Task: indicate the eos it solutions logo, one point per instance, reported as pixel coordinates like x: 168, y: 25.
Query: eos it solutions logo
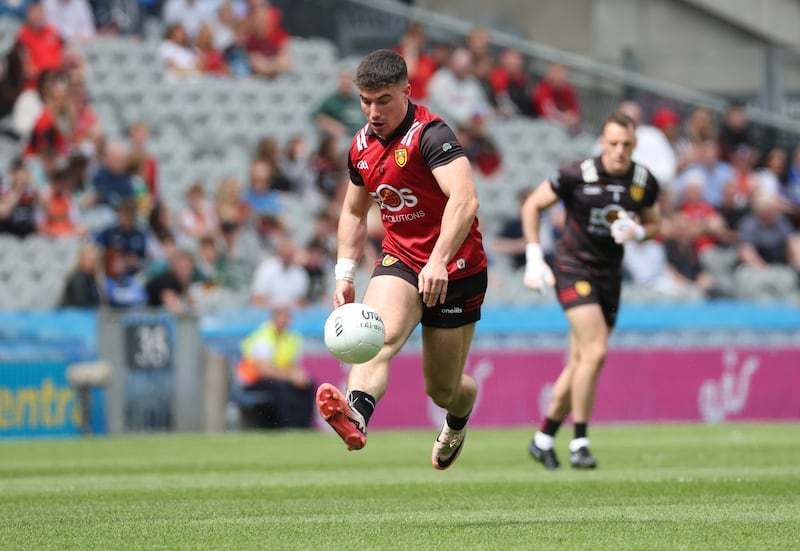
x: 393, y: 199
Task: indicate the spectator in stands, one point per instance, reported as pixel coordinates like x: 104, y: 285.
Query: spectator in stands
x: 14, y: 76
x: 669, y: 123
x: 771, y: 177
x: 14, y: 8
x: 511, y: 85
x: 682, y: 255
x: 280, y: 279
x: 295, y: 165
x: 210, y: 61
x: 85, y: 119
x: 229, y: 204
x: 207, y: 262
x: 170, y: 288
x: 160, y: 236
x: 58, y: 214
x: 122, y: 288
x: 479, y: 148
x: 456, y: 94
x: 768, y: 251
x: 330, y: 167
x: 734, y: 131
x: 653, y: 150
x: 197, y: 218
x: 509, y: 241
x: 266, y: 41
x: 701, y: 126
x: 72, y: 18
x: 273, y: 388
x: 701, y: 221
x: 791, y: 192
x: 83, y: 287
x: 18, y: 201
x: 318, y: 265
x: 229, y: 38
x: 53, y: 127
x: 646, y: 266
x: 126, y: 238
x: 555, y: 99
x: 478, y: 42
x: 42, y: 41
x: 112, y: 183
x: 340, y: 113
x: 139, y: 138
x: 421, y: 65
x: 716, y: 173
x: 732, y: 209
x: 178, y: 57
x: 744, y: 181
x: 261, y: 198
x: 190, y: 14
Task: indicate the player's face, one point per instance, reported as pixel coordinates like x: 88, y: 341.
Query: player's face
x: 618, y: 143
x: 385, y: 108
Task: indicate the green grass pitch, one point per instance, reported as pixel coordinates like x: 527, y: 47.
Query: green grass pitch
x: 726, y: 487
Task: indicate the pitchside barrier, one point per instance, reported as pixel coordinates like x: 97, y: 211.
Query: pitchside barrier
x: 710, y: 363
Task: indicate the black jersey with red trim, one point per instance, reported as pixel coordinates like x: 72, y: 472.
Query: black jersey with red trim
x: 397, y: 173
x: 592, y: 199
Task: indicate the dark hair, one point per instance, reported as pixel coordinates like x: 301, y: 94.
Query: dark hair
x: 380, y: 69
x: 620, y: 118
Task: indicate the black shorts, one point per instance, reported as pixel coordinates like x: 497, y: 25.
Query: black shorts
x: 462, y: 305
x: 578, y: 283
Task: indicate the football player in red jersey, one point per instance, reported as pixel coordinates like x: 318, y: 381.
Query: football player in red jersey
x: 602, y: 197
x: 432, y: 269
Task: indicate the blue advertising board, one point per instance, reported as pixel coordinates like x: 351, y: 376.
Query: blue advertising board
x: 36, y: 400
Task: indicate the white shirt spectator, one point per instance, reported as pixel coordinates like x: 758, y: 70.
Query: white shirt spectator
x: 27, y: 110
x: 455, y: 94
x: 72, y: 18
x: 654, y: 151
x: 278, y: 282
x: 176, y: 58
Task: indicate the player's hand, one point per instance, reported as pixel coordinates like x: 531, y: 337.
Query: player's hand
x: 344, y: 293
x: 433, y: 283
x: 624, y: 229
x: 537, y: 273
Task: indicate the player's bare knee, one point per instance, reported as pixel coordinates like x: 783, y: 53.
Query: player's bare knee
x: 442, y: 396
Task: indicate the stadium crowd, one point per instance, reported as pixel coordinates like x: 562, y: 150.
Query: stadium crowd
x: 731, y: 204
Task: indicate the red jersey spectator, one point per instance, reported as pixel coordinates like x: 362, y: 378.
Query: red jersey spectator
x: 703, y: 221
x: 59, y: 214
x: 266, y: 42
x: 511, y: 84
x: 421, y: 66
x: 209, y: 60
x: 554, y: 97
x: 48, y: 133
x: 42, y: 40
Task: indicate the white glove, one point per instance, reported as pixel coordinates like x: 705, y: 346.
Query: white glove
x: 623, y: 229
x: 537, y: 272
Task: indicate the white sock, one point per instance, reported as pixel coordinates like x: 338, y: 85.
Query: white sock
x: 543, y: 441
x: 577, y: 443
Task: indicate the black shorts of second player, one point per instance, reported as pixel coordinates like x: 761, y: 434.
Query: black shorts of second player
x: 578, y: 283
x: 464, y: 296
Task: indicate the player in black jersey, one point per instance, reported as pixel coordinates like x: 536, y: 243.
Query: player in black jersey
x: 609, y: 200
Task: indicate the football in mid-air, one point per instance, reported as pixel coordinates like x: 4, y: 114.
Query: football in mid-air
x: 354, y: 333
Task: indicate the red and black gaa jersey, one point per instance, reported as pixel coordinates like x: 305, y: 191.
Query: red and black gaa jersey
x: 397, y: 173
x: 592, y: 199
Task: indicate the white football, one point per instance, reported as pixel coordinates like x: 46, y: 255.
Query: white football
x: 354, y: 333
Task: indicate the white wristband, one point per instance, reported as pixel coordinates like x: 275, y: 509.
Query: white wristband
x: 345, y: 269
x: 638, y: 233
x: 533, y: 252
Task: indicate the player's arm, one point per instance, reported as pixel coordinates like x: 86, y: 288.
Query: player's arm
x: 650, y: 220
x: 537, y: 272
x: 455, y: 181
x: 352, y: 236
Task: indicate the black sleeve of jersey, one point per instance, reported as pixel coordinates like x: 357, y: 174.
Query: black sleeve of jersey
x: 439, y: 145
x: 565, y: 180
x: 355, y: 177
x: 651, y: 191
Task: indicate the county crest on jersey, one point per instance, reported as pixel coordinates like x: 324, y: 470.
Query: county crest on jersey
x: 397, y: 174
